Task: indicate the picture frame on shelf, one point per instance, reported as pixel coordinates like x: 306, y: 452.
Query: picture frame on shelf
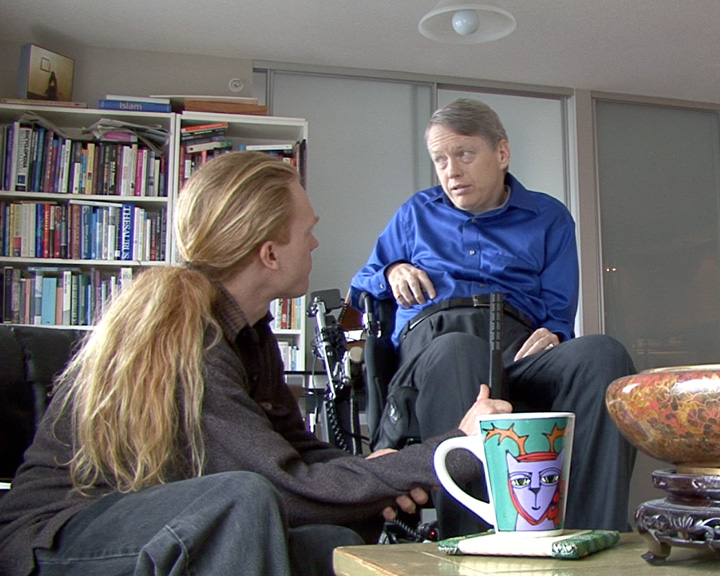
x: 44, y: 74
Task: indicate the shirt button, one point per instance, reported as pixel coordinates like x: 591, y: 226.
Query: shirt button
x: 472, y: 252
x: 473, y: 220
x: 267, y: 406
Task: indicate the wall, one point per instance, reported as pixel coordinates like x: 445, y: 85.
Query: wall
x: 100, y: 71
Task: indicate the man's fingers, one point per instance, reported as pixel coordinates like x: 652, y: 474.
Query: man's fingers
x: 406, y: 503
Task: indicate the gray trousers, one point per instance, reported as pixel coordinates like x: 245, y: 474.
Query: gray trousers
x: 223, y: 524
x: 446, y: 357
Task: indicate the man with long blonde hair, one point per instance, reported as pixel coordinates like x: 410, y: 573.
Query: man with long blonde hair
x: 173, y: 444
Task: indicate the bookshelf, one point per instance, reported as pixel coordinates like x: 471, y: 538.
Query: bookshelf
x: 273, y: 134
x: 84, y: 199
x: 87, y: 199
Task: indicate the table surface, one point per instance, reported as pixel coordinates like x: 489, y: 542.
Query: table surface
x: 623, y: 559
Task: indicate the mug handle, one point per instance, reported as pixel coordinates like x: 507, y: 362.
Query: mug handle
x: 484, y: 510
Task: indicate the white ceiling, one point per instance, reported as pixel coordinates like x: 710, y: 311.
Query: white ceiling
x: 665, y: 48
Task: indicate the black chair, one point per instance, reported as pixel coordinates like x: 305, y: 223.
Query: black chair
x: 30, y: 358
x: 380, y: 356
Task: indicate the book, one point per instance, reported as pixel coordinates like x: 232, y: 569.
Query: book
x: 179, y: 103
x: 53, y: 103
x: 147, y: 99
x: 22, y: 156
x: 66, y: 297
x: 212, y: 145
x: 225, y: 107
x: 571, y: 545
x: 181, y: 98
x: 269, y: 147
x: 187, y: 132
x: 49, y: 298
x: 127, y: 231
x: 130, y: 106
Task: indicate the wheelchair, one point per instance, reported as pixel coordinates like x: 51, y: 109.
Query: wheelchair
x: 346, y: 396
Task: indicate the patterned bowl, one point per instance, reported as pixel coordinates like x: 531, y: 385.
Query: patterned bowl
x: 672, y: 414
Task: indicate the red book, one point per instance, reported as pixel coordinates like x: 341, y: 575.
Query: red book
x: 48, y: 209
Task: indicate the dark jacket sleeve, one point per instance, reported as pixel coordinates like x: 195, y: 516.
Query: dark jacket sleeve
x: 264, y: 433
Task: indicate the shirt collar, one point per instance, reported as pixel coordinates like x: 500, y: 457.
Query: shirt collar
x: 228, y: 314
x: 519, y: 196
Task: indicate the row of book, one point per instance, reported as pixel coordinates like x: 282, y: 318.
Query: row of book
x: 135, y: 103
x: 59, y: 296
x: 287, y: 313
x: 200, y: 143
x: 164, y: 103
x: 290, y: 355
x: 82, y: 230
x: 34, y: 158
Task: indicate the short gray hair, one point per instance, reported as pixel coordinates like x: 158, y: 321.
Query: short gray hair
x: 470, y: 118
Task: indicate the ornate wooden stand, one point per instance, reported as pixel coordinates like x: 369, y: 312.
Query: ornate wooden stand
x: 689, y: 517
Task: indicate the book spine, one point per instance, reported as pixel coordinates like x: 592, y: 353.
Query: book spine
x: 22, y: 158
x: 67, y: 297
x: 147, y: 99
x: 130, y: 106
x: 49, y: 296
x: 90, y: 176
x: 126, y: 242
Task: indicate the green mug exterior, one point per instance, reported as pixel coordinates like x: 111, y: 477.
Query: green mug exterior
x: 526, y: 457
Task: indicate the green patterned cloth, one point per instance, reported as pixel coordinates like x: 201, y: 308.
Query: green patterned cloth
x: 570, y: 546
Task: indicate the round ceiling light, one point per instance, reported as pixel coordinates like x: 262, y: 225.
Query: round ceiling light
x: 464, y: 23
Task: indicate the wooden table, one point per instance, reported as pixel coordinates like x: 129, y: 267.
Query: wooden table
x: 623, y: 559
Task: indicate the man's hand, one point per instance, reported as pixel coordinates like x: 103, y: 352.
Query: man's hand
x: 409, y: 284
x: 541, y: 339
x: 406, y: 502
x: 483, y: 405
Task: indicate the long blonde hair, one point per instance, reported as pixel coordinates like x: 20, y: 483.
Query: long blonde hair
x: 135, y: 388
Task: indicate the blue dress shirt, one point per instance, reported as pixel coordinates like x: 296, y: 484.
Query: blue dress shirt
x: 524, y: 249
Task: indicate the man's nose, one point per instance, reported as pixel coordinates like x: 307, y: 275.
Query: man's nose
x: 454, y: 168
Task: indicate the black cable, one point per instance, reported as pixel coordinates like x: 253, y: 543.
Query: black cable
x: 333, y: 423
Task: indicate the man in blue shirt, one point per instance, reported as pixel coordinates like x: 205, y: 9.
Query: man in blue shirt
x: 443, y: 253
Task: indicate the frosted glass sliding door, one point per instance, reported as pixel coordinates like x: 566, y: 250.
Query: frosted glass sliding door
x: 658, y: 172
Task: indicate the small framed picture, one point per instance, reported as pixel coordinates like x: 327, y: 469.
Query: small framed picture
x: 45, y: 75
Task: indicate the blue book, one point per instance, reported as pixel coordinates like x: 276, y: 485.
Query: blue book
x: 130, y: 106
x: 49, y: 296
x: 39, y: 229
x: 126, y: 232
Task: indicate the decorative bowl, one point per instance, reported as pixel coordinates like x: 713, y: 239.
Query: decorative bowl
x: 672, y: 414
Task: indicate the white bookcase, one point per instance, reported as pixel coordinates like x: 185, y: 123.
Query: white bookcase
x: 266, y: 132
x: 30, y: 255
x: 62, y: 207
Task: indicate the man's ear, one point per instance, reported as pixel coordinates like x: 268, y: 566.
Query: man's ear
x: 267, y: 255
x: 504, y: 153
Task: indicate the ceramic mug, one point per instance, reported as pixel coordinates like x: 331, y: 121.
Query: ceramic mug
x: 526, y: 458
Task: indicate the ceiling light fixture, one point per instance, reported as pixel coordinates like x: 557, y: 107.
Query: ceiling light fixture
x: 466, y: 23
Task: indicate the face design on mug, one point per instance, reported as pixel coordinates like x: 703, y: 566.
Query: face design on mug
x: 534, y: 482
x: 534, y: 479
